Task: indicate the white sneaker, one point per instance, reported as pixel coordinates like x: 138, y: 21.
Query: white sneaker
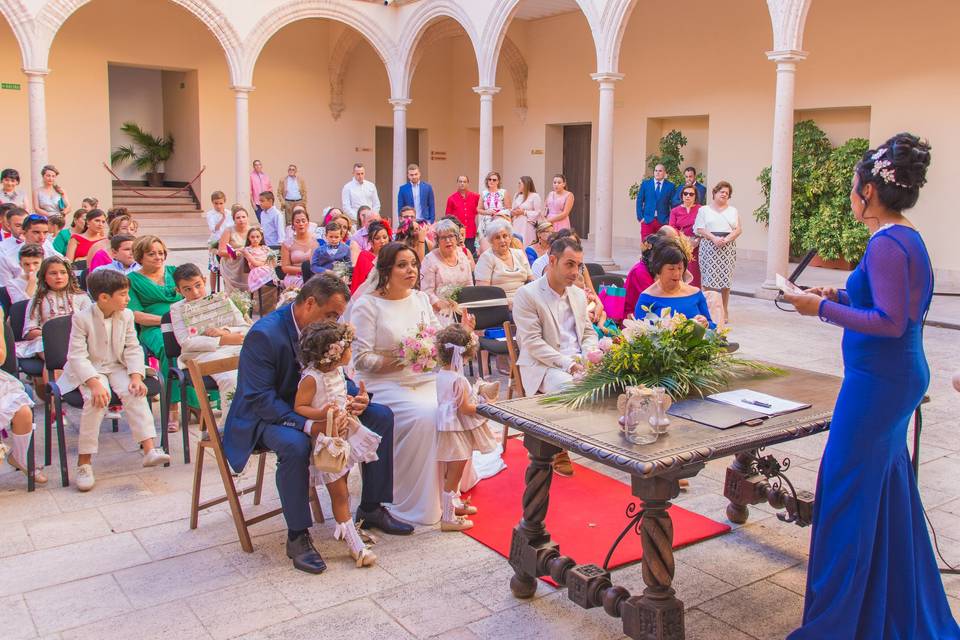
x: 155, y: 457
x: 85, y: 479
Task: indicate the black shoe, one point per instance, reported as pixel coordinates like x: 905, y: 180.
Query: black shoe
x: 381, y: 519
x: 304, y: 555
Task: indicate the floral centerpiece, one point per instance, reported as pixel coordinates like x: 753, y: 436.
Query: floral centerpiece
x: 343, y: 270
x: 418, y: 351
x: 243, y: 302
x: 673, y: 352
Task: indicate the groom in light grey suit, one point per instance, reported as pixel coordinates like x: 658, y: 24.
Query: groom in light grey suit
x: 554, y: 331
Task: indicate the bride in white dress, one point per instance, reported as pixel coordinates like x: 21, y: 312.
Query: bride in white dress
x: 383, y: 318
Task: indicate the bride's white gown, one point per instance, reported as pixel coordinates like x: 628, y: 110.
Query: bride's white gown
x: 381, y: 325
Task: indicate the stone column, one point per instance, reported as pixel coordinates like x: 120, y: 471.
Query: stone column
x: 781, y: 176
x: 37, y: 103
x: 243, y: 168
x: 486, y: 131
x: 602, y: 222
x: 399, y: 153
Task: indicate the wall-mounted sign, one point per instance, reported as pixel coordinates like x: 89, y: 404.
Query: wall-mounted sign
x: 438, y: 155
x: 536, y: 152
x: 363, y: 149
x: 12, y: 86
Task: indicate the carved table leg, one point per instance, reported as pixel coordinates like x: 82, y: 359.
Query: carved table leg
x: 657, y: 614
x: 531, y: 548
x: 739, y: 489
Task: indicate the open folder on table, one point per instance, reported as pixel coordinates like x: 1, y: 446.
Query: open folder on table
x: 734, y: 408
x: 759, y: 402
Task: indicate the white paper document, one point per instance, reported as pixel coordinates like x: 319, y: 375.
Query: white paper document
x: 759, y: 402
x: 786, y: 286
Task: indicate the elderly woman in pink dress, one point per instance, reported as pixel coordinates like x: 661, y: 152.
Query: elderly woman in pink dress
x: 445, y: 269
x: 559, y: 203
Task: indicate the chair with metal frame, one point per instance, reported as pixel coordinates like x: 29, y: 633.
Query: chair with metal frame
x: 594, y: 269
x: 56, y: 342
x: 487, y: 317
x: 5, y: 302
x: 33, y: 366
x: 212, y: 440
x: 176, y: 375
x: 10, y: 366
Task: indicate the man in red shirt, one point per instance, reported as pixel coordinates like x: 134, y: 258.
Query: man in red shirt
x: 463, y: 204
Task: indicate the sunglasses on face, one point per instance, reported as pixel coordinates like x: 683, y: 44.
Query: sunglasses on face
x: 687, y: 193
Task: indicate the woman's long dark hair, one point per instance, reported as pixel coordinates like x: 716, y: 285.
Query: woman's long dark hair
x: 387, y: 259
x: 43, y: 289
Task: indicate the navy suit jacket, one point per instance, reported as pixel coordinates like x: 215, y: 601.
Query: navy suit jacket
x: 427, y: 205
x: 649, y: 206
x: 267, y: 381
x: 677, y: 199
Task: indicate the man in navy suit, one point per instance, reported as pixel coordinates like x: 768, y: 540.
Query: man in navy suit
x: 261, y: 416
x: 417, y: 194
x: 690, y: 180
x: 653, y: 202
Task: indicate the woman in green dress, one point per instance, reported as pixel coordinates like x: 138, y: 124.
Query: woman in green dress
x: 152, y: 291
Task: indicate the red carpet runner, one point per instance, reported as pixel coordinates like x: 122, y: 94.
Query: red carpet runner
x: 586, y: 514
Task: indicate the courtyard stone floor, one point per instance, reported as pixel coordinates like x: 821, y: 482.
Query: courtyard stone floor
x: 121, y: 561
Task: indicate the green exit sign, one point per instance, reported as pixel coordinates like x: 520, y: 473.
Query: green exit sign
x: 12, y: 86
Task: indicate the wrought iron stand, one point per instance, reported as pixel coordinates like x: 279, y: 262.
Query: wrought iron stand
x: 753, y: 478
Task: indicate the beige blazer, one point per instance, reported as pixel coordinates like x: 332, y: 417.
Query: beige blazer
x: 538, y: 331
x: 90, y: 354
x: 282, y: 191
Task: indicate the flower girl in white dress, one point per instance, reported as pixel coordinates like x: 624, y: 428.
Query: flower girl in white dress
x: 460, y: 431
x: 15, y: 410
x: 324, y: 350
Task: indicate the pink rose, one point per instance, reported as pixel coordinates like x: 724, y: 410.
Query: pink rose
x: 595, y: 356
x: 605, y: 344
x: 192, y: 331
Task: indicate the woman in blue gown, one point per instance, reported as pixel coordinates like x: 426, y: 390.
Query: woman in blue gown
x: 872, y: 573
x: 668, y: 264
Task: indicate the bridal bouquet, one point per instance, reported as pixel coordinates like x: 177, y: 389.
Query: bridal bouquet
x: 418, y: 351
x: 343, y: 270
x: 673, y: 352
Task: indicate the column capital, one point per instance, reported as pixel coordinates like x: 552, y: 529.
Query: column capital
x: 486, y: 91
x: 36, y: 73
x: 606, y: 76
x: 239, y: 88
x: 786, y: 55
x: 400, y: 104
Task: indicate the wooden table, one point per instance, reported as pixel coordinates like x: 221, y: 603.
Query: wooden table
x: 656, y: 470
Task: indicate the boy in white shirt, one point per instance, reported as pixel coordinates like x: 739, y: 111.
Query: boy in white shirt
x: 213, y: 343
x: 271, y: 220
x: 105, y: 355
x: 24, y: 286
x: 218, y: 221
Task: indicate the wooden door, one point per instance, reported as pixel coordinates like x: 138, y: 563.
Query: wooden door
x: 576, y: 167
x: 384, y: 165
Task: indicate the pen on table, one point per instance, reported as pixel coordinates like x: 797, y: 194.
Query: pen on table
x: 757, y: 403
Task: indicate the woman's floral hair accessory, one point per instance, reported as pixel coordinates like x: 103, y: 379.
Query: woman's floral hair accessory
x: 881, y: 167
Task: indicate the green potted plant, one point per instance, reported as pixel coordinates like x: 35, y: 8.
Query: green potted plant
x: 820, y: 215
x: 147, y: 152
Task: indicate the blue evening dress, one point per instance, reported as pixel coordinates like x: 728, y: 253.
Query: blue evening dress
x: 691, y: 306
x: 872, y: 573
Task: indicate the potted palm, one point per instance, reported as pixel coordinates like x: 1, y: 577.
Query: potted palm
x: 147, y: 152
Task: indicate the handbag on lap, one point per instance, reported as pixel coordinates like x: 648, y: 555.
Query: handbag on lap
x: 331, y: 453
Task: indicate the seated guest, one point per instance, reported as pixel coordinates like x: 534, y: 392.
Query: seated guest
x: 462, y: 229
x: 334, y: 214
x: 331, y: 250
x: 77, y: 225
x: 639, y: 278
x: 262, y: 416
x: 13, y: 230
x: 554, y: 332
x: 541, y: 246
x: 57, y: 223
x: 99, y: 362
x: 501, y: 265
x: 445, y: 268
x: 297, y: 249
x: 33, y: 230
x: 366, y: 217
x: 413, y: 233
x: 262, y: 272
x: 379, y: 238
x: 271, y: 219
x: 219, y: 338
x: 121, y: 252
x: 152, y: 292
x: 232, y: 241
x: 669, y: 293
x: 100, y: 251
x: 58, y: 294
x: 80, y: 244
x: 24, y: 285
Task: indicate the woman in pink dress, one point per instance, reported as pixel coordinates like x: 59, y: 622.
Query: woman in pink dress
x: 445, y: 269
x: 297, y: 250
x: 682, y: 218
x: 559, y: 203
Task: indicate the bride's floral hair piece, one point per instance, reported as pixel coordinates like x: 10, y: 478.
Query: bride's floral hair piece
x: 323, y: 344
